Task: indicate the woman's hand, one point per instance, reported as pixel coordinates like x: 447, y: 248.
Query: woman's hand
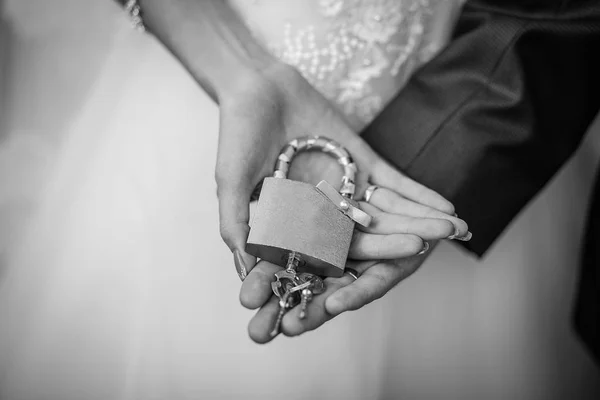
x: 264, y: 104
x: 260, y: 119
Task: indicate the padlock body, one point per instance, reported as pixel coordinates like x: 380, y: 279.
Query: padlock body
x: 294, y: 216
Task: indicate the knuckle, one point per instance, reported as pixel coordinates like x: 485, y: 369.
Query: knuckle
x: 429, y: 212
x: 381, y: 282
x: 227, y: 235
x: 220, y: 177
x: 220, y: 191
x: 224, y: 232
x: 371, y: 293
x: 379, y: 167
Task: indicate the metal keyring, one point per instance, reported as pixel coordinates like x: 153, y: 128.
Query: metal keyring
x: 352, y: 272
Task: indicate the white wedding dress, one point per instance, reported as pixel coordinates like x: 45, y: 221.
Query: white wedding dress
x: 114, y: 283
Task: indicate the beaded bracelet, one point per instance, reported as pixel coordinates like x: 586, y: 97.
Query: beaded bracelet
x: 133, y: 9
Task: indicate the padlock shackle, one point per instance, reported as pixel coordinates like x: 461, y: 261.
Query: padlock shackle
x: 325, y: 145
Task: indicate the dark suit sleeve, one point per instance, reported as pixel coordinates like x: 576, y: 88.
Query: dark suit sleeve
x: 493, y: 117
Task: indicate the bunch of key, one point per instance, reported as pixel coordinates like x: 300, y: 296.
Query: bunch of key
x: 294, y: 288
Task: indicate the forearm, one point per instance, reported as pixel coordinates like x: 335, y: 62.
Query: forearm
x: 210, y: 40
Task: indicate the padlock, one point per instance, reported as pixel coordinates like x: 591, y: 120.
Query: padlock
x: 314, y: 224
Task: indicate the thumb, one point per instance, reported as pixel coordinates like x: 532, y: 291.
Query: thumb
x: 234, y: 215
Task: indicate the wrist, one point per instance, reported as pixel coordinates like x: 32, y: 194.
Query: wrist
x: 248, y: 75
x: 211, y: 42
x: 273, y: 80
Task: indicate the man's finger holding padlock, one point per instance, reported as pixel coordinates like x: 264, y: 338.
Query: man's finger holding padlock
x: 311, y: 227
x: 373, y: 284
x: 261, y: 324
x: 375, y: 279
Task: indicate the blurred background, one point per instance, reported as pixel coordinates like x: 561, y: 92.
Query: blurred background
x: 53, y: 54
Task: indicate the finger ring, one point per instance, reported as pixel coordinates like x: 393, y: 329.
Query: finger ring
x: 352, y: 272
x: 425, y: 248
x: 369, y: 192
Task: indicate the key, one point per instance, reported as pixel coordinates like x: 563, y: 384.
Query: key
x: 316, y: 286
x: 287, y: 302
x: 307, y: 296
x: 284, y: 281
x: 282, y: 310
x: 288, y: 278
x: 290, y: 299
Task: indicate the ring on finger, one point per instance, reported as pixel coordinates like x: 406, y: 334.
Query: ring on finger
x: 425, y: 248
x: 352, y: 272
x: 369, y: 192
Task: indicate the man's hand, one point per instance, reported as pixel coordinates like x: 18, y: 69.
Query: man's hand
x: 384, y: 254
x: 342, y: 294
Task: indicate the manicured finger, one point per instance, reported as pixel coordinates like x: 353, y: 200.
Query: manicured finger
x: 245, y: 155
x: 391, y: 202
x: 367, y: 246
x: 256, y: 288
x: 233, y: 223
x: 387, y: 176
x: 426, y: 228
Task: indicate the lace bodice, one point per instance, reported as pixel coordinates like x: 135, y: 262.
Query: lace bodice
x: 358, y: 53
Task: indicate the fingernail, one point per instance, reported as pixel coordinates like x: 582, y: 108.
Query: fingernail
x: 465, y: 238
x: 455, y: 234
x: 425, y: 249
x: 240, y: 265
